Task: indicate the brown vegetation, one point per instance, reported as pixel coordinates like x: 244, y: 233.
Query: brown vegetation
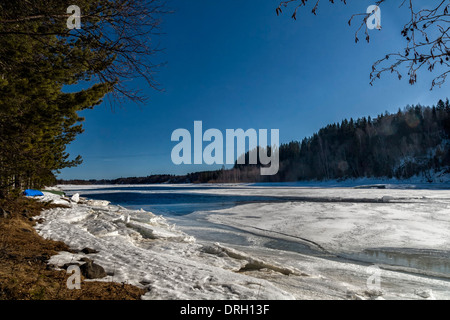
x: 24, y: 272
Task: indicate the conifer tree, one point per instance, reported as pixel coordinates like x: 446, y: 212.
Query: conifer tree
x: 40, y: 59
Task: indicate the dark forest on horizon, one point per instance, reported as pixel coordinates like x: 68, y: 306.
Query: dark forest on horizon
x: 400, y: 145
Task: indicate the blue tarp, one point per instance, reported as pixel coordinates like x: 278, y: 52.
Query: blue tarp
x: 32, y: 193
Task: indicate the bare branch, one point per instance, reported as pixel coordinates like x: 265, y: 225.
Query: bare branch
x: 427, y: 35
x: 122, y: 32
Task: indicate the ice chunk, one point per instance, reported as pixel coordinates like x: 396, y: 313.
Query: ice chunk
x: 424, y: 293
x: 75, y: 198
x: 252, y: 263
x: 155, y: 231
x: 98, y: 203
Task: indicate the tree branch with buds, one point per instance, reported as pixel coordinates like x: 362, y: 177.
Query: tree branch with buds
x: 426, y: 34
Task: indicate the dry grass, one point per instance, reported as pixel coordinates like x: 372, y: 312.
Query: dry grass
x: 24, y: 273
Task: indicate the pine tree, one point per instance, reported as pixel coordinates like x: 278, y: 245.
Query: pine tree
x: 40, y: 58
x: 37, y: 119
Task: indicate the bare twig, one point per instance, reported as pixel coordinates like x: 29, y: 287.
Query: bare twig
x: 427, y: 40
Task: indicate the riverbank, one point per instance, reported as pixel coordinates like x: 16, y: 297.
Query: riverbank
x: 24, y: 271
x: 142, y: 249
x: 145, y: 250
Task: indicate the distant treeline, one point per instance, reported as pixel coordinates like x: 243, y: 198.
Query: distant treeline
x: 412, y: 141
x: 196, y: 177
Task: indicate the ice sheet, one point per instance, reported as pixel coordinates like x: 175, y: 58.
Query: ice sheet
x: 147, y: 251
x: 347, y: 226
x: 144, y: 249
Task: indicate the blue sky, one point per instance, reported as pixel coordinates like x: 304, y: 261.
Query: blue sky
x: 236, y: 64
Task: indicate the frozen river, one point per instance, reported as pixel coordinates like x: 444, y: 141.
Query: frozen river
x: 330, y: 233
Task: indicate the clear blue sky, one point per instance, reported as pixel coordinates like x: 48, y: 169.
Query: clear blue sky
x: 236, y: 64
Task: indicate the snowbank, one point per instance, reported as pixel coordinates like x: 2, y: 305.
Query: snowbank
x: 142, y: 249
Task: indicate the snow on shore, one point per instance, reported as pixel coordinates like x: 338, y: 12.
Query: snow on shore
x: 142, y: 249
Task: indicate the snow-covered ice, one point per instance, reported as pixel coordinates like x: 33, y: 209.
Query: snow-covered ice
x: 146, y: 250
x: 342, y: 226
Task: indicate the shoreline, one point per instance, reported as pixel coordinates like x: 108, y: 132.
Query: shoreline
x: 437, y: 180
x: 24, y: 271
x: 161, y: 239
x: 116, y: 233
